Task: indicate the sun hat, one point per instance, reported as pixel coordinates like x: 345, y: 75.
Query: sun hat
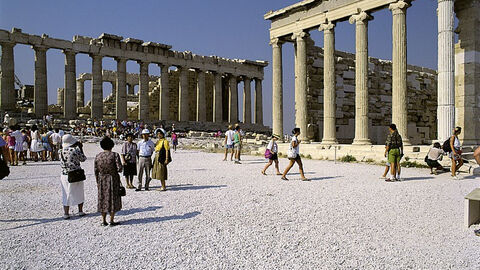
x: 160, y: 130
x: 276, y: 136
x: 68, y: 140
x: 145, y: 131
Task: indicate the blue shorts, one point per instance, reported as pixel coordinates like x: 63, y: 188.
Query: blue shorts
x: 229, y: 146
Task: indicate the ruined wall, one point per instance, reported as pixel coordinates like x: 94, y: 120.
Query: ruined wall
x: 422, y: 98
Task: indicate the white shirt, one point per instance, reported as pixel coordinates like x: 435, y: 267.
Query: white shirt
x: 294, y: 139
x: 272, y: 146
x: 56, y: 138
x: 435, y: 153
x: 230, y: 134
x: 145, y: 148
x: 61, y: 133
x: 18, y: 136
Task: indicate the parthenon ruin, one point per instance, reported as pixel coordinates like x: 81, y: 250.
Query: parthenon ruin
x: 458, y: 76
x: 225, y: 75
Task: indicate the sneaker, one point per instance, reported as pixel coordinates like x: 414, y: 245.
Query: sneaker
x: 138, y: 189
x: 66, y: 216
x: 237, y: 162
x: 454, y: 177
x: 147, y: 189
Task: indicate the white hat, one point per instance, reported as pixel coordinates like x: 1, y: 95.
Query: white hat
x: 145, y: 131
x: 68, y: 140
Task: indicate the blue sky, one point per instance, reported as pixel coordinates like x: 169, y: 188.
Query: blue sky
x: 233, y: 29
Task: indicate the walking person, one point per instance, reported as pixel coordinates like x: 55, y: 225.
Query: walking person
x: 162, y: 159
x: 294, y: 155
x: 229, y: 142
x: 71, y: 155
x: 434, y: 155
x: 394, y: 152
x: 456, y: 153
x: 129, y: 160
x: 107, y: 168
x: 145, y: 150
x: 174, y: 141
x: 272, y: 154
x: 237, y: 144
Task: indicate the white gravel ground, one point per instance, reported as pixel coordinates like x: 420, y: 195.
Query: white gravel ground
x: 218, y: 215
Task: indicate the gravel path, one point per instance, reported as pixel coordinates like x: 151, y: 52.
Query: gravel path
x: 218, y: 215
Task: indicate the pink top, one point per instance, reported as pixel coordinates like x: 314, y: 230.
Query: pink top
x: 10, y: 140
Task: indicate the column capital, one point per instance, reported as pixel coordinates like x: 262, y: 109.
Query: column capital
x: 300, y: 35
x: 399, y: 7
x: 69, y: 52
x: 361, y: 18
x: 328, y: 27
x: 40, y: 48
x: 121, y: 59
x: 140, y: 62
x: 7, y: 43
x: 276, y: 42
x: 246, y: 78
x: 95, y: 56
x: 163, y: 65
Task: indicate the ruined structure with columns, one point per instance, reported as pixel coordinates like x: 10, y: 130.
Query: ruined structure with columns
x: 225, y: 107
x: 458, y: 67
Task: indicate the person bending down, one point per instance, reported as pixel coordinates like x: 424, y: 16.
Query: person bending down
x: 434, y: 155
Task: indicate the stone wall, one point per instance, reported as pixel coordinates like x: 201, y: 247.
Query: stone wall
x: 422, y: 98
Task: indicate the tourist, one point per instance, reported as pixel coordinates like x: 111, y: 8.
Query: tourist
x: 229, y: 142
x: 19, y: 139
x: 71, y: 155
x: 394, y: 152
x: 56, y: 140
x: 456, y: 153
x: 387, y: 169
x: 47, y: 147
x: 36, y: 147
x: 3, y: 148
x: 25, y: 146
x: 434, y: 155
x: 272, y: 154
x: 145, y: 150
x: 129, y: 160
x: 476, y: 155
x: 162, y: 158
x: 174, y: 141
x: 11, y: 148
x: 294, y: 155
x: 237, y: 144
x: 107, y: 166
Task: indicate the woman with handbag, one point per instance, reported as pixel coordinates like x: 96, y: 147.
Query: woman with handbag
x: 162, y: 159
x: 271, y: 153
x: 72, y: 176
x: 129, y: 159
x: 36, y: 147
x: 293, y: 155
x: 110, y: 189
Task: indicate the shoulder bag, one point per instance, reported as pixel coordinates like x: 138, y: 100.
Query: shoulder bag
x: 291, y: 152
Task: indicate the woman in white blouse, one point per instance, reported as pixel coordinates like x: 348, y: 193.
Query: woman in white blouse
x: 456, y: 153
x: 272, y: 154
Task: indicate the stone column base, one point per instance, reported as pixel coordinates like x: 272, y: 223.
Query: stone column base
x: 362, y: 142
x: 329, y: 142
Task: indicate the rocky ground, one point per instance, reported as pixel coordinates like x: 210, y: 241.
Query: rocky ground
x: 218, y: 215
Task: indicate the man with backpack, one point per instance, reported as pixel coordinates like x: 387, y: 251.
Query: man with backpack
x: 394, y: 152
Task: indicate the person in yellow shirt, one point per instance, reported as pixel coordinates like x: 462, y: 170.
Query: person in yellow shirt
x: 162, y: 159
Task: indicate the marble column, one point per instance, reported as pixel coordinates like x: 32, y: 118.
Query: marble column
x: 258, y: 116
x: 361, y: 77
x: 143, y: 92
x: 183, y: 108
x: 247, y: 100
x: 301, y: 110
x: 69, y: 103
x: 277, y: 87
x: 217, y: 98
x: 80, y: 93
x: 201, y: 114
x: 130, y: 89
x: 40, y: 94
x: 399, y: 69
x: 329, y: 108
x: 97, y: 87
x: 446, y: 69
x: 7, y: 77
x: 164, y: 111
x: 121, y: 93
x: 233, y: 99
x: 61, y: 97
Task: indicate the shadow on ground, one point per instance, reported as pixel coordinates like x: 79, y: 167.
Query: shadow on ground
x: 188, y: 187
x: 161, y: 219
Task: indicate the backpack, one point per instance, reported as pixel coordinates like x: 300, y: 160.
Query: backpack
x: 446, y: 146
x: 396, y: 141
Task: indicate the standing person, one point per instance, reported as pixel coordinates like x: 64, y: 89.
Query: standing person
x: 272, y: 154
x: 456, y: 154
x: 18, y: 150
x: 434, y: 155
x: 46, y: 145
x: 24, y: 146
x: 295, y: 149
x: 145, y: 150
x: 229, y: 142
x: 36, y: 146
x: 107, y: 166
x: 174, y: 141
x: 71, y: 155
x: 237, y: 144
x: 161, y: 160
x: 56, y: 140
x: 394, y: 152
x: 129, y: 159
x: 11, y: 148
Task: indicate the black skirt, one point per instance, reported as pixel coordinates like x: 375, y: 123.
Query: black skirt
x: 274, y: 157
x: 130, y: 169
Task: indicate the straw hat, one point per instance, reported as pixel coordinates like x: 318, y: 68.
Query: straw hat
x: 145, y: 131
x: 68, y: 140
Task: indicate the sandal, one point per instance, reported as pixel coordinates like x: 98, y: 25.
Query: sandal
x: 104, y: 224
x: 305, y: 179
x: 114, y: 224
x: 263, y: 172
x: 284, y: 179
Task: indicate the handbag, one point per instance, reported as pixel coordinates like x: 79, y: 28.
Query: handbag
x: 268, y: 154
x: 162, y: 155
x: 291, y: 153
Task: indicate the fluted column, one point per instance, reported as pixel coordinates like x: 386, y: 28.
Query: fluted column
x: 301, y: 110
x: 183, y: 108
x: 61, y: 97
x: 277, y: 87
x: 217, y: 98
x: 40, y: 94
x: 97, y: 87
x: 399, y: 68
x: 121, y: 93
x: 69, y: 101
x: 446, y: 69
x: 361, y: 77
x: 163, y: 109
x: 7, y: 77
x: 143, y: 92
x: 201, y: 114
x: 80, y: 93
x: 329, y: 109
x: 233, y: 99
x: 247, y: 100
x: 258, y: 116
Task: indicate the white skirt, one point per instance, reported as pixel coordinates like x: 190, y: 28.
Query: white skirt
x: 37, y: 146
x: 72, y: 193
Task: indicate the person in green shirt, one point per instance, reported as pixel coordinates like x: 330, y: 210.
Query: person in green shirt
x: 237, y: 139
x: 394, y: 152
